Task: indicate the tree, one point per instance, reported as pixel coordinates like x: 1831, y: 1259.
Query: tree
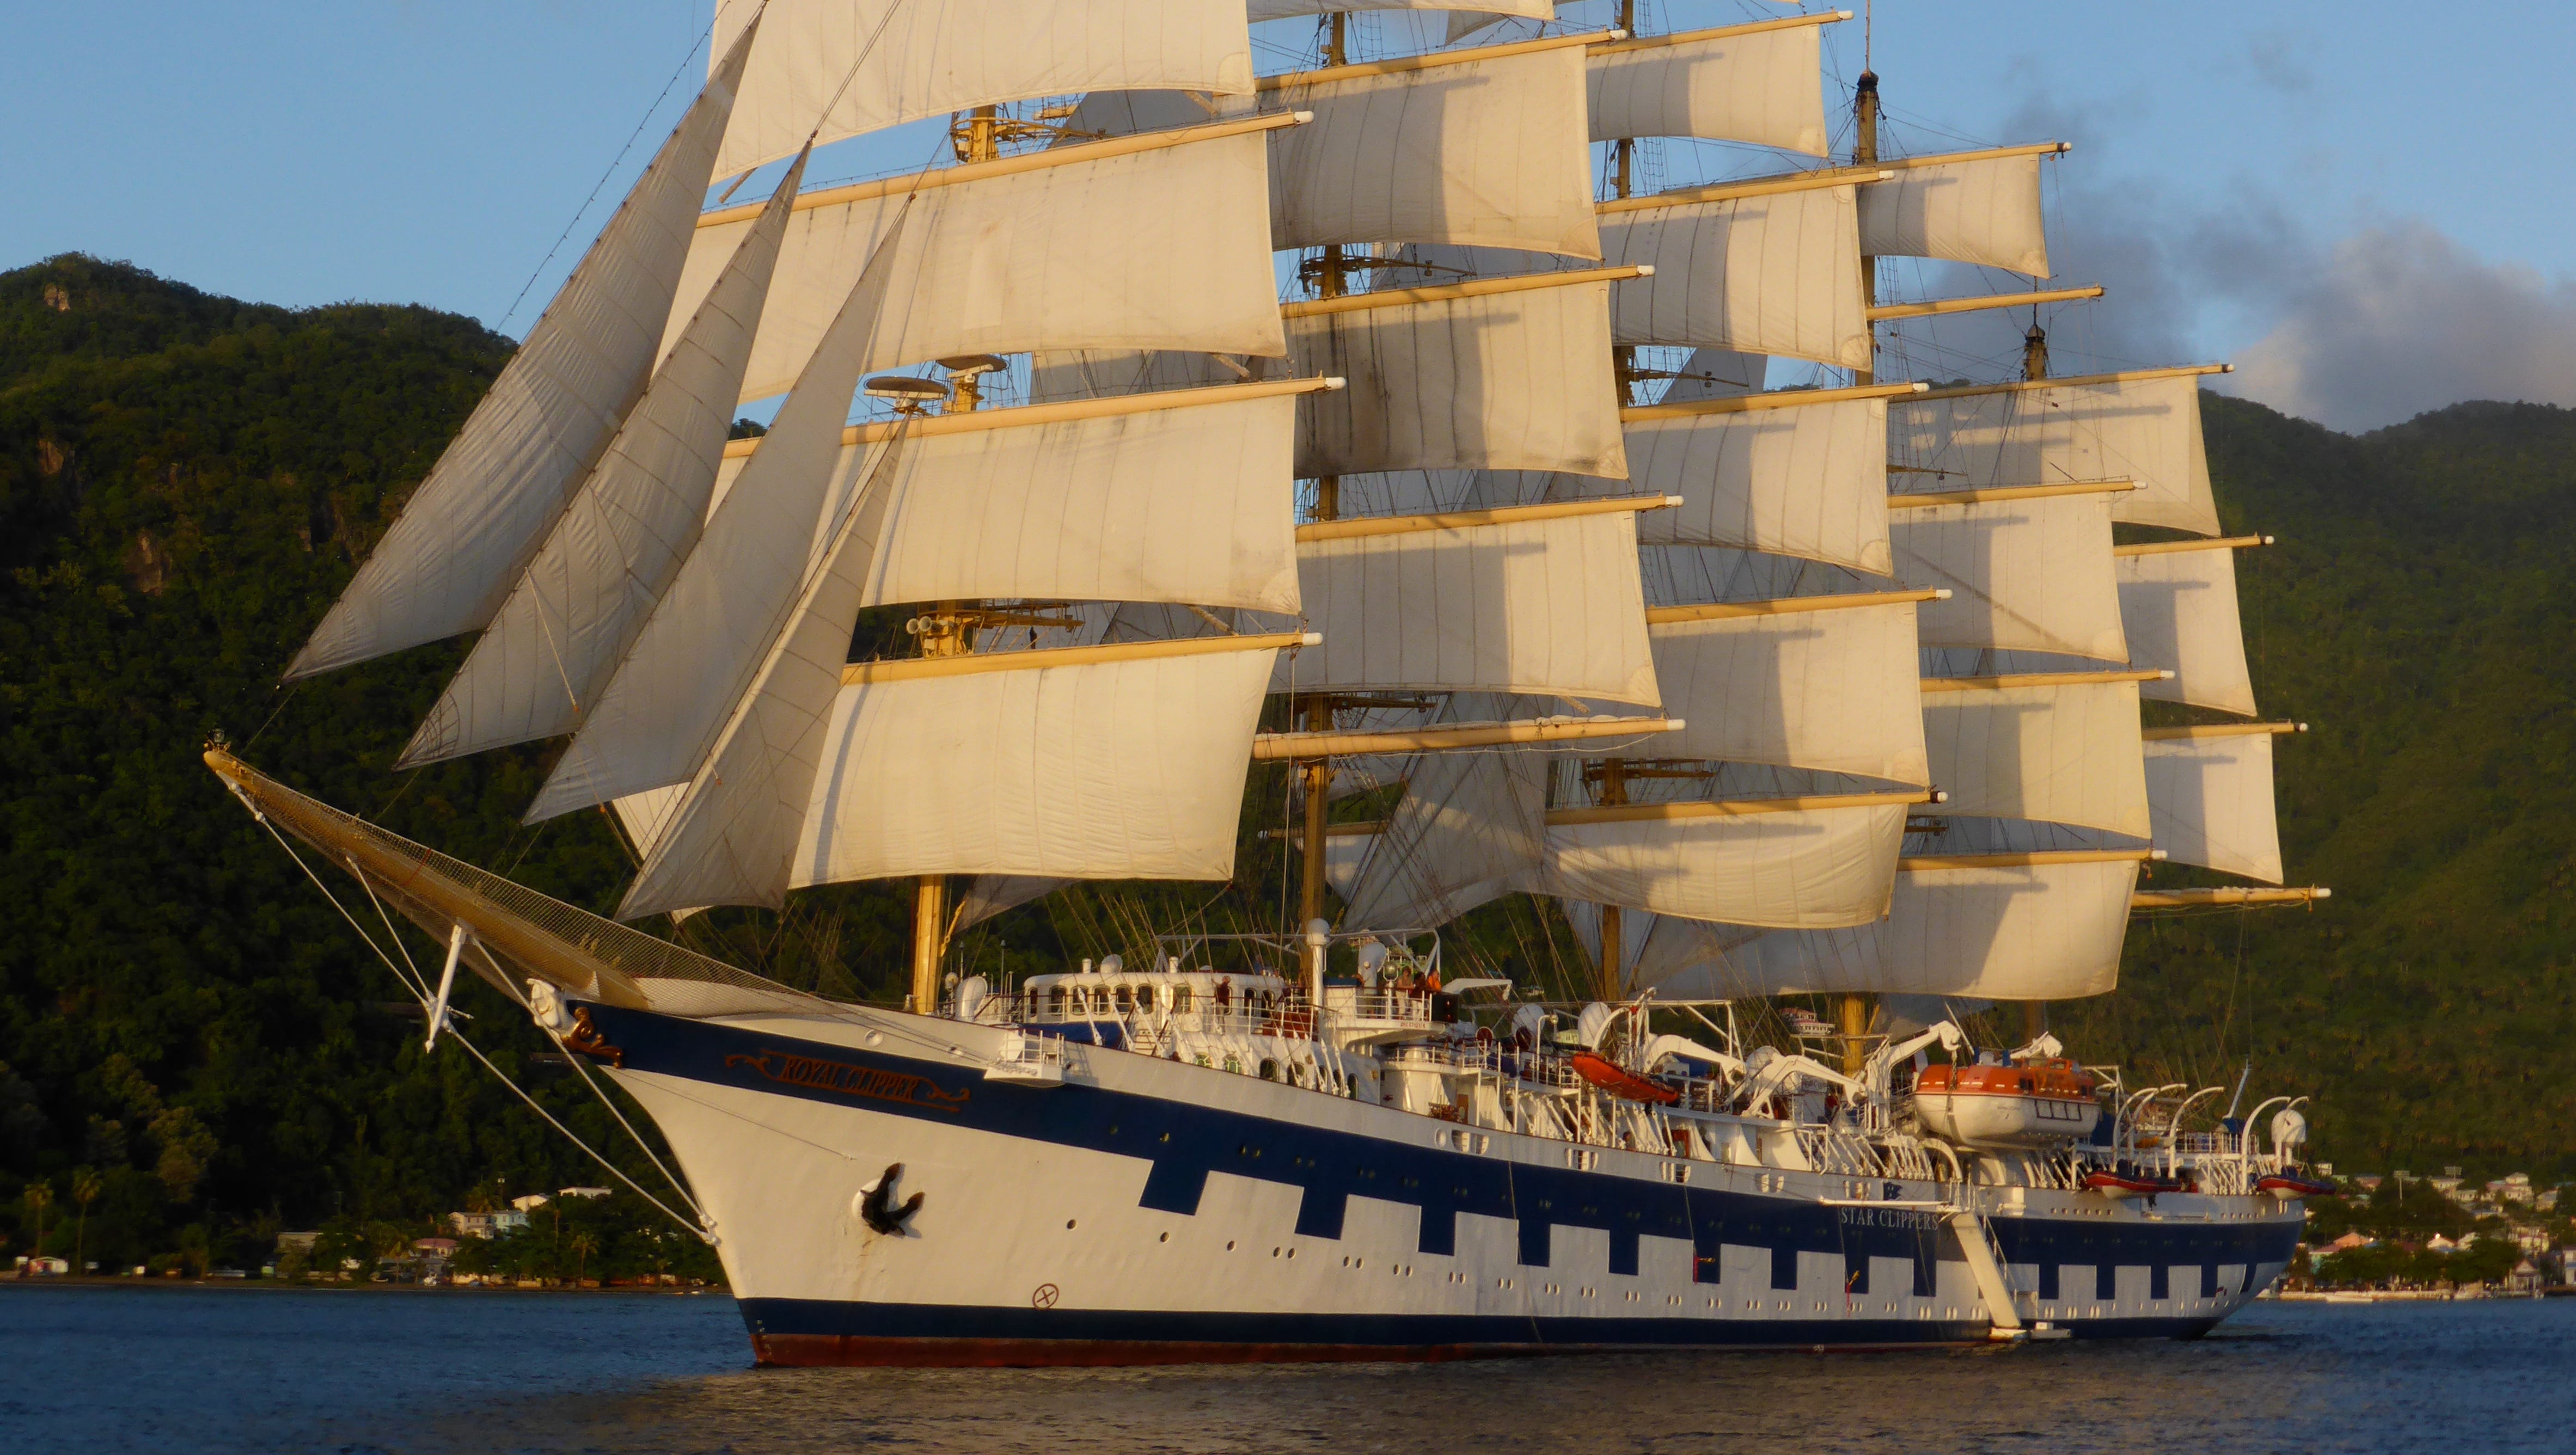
x: 86, y: 1186
x: 39, y: 1196
x: 583, y: 1245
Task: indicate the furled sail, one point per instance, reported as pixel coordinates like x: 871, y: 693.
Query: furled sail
x: 1510, y: 374
x: 1183, y: 497
x: 1750, y: 83
x: 1127, y: 765
x: 2179, y: 609
x: 1469, y: 829
x: 2142, y: 427
x: 1826, y: 683
x: 2211, y: 792
x: 1538, y: 600
x: 1793, y: 476
x: 659, y: 715
x: 836, y: 68
x: 2051, y: 748
x: 2031, y: 572
x: 1777, y: 273
x: 1979, y: 208
x: 581, y: 603
x: 1807, y: 863
x: 1480, y: 147
x: 2012, y: 927
x: 1035, y: 252
x: 453, y: 554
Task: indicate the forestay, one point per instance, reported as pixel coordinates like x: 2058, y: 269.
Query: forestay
x: 2031, y: 574
x: 2212, y: 799
x: 837, y: 68
x: 1519, y: 380
x: 1777, y: 274
x: 2050, y: 752
x: 1124, y: 769
x: 2141, y: 429
x: 1808, y: 868
x: 2003, y: 931
x: 1976, y: 210
x: 1006, y: 258
x: 1758, y: 84
x: 457, y: 548
x: 2179, y: 610
x: 551, y: 648
x: 1547, y: 606
x: 1831, y: 690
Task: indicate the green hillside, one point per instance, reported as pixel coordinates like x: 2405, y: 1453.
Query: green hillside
x: 187, y: 481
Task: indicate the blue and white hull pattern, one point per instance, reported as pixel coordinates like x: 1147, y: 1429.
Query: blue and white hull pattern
x: 1143, y: 1210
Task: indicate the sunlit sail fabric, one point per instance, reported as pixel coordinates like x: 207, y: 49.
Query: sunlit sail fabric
x: 1536, y: 606
x: 1828, y: 690
x: 1768, y: 275
x: 2045, y: 931
x: 456, y: 550
x: 1469, y: 829
x: 2058, y: 752
x: 1807, y: 868
x: 1107, y: 770
x: 2023, y: 575
x: 1984, y: 210
x: 2212, y: 799
x: 1027, y: 260
x: 586, y: 596
x: 1261, y: 10
x: 1809, y: 480
x: 837, y: 68
x: 2146, y: 430
x: 1759, y: 86
x: 2179, y: 610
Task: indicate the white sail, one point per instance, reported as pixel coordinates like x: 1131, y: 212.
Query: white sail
x: 2108, y: 428
x: 1808, y: 868
x: 1261, y: 10
x: 2179, y: 610
x: 457, y: 548
x: 1975, y: 210
x: 2052, y: 752
x: 1776, y: 274
x: 2023, y: 574
x: 1716, y: 374
x: 2001, y: 931
x: 659, y: 715
x: 1460, y: 148
x: 836, y: 68
x: 1758, y: 84
x: 1469, y: 828
x: 1832, y: 690
x: 2212, y: 798
x: 550, y: 650
x: 1531, y: 606
x: 1518, y: 380
x: 1808, y: 480
x: 1189, y: 502
x: 1123, y: 769
x: 731, y: 834
x: 1024, y: 257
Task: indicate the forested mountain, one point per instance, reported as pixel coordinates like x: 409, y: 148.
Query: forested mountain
x: 187, y: 481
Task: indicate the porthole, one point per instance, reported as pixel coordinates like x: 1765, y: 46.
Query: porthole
x: 1164, y: 1239
x: 1068, y: 1224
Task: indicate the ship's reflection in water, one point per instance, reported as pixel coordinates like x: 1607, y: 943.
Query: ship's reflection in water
x: 2476, y: 1376
x: 214, y: 1372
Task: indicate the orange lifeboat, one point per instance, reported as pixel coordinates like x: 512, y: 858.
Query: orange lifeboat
x: 1621, y: 1083
x: 2033, y: 1104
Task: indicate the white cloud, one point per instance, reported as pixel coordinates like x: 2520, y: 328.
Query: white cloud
x: 2398, y: 319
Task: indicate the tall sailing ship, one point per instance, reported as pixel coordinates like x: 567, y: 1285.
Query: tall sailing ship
x: 1830, y: 691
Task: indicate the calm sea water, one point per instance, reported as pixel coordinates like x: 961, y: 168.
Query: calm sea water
x: 173, y: 1370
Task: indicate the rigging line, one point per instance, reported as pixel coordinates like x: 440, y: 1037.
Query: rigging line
x: 288, y: 696
x: 368, y: 939
x: 705, y: 1234
x: 642, y: 122
x: 369, y: 885
x: 640, y: 1144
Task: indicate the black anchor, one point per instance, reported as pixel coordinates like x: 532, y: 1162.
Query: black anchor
x: 879, y: 1210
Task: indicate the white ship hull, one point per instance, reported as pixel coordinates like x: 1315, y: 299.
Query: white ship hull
x: 1149, y: 1211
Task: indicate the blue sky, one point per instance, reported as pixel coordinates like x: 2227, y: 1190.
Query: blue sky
x: 2357, y: 200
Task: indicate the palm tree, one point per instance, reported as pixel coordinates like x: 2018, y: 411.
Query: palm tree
x: 39, y: 1196
x: 86, y: 1186
x: 583, y: 1245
